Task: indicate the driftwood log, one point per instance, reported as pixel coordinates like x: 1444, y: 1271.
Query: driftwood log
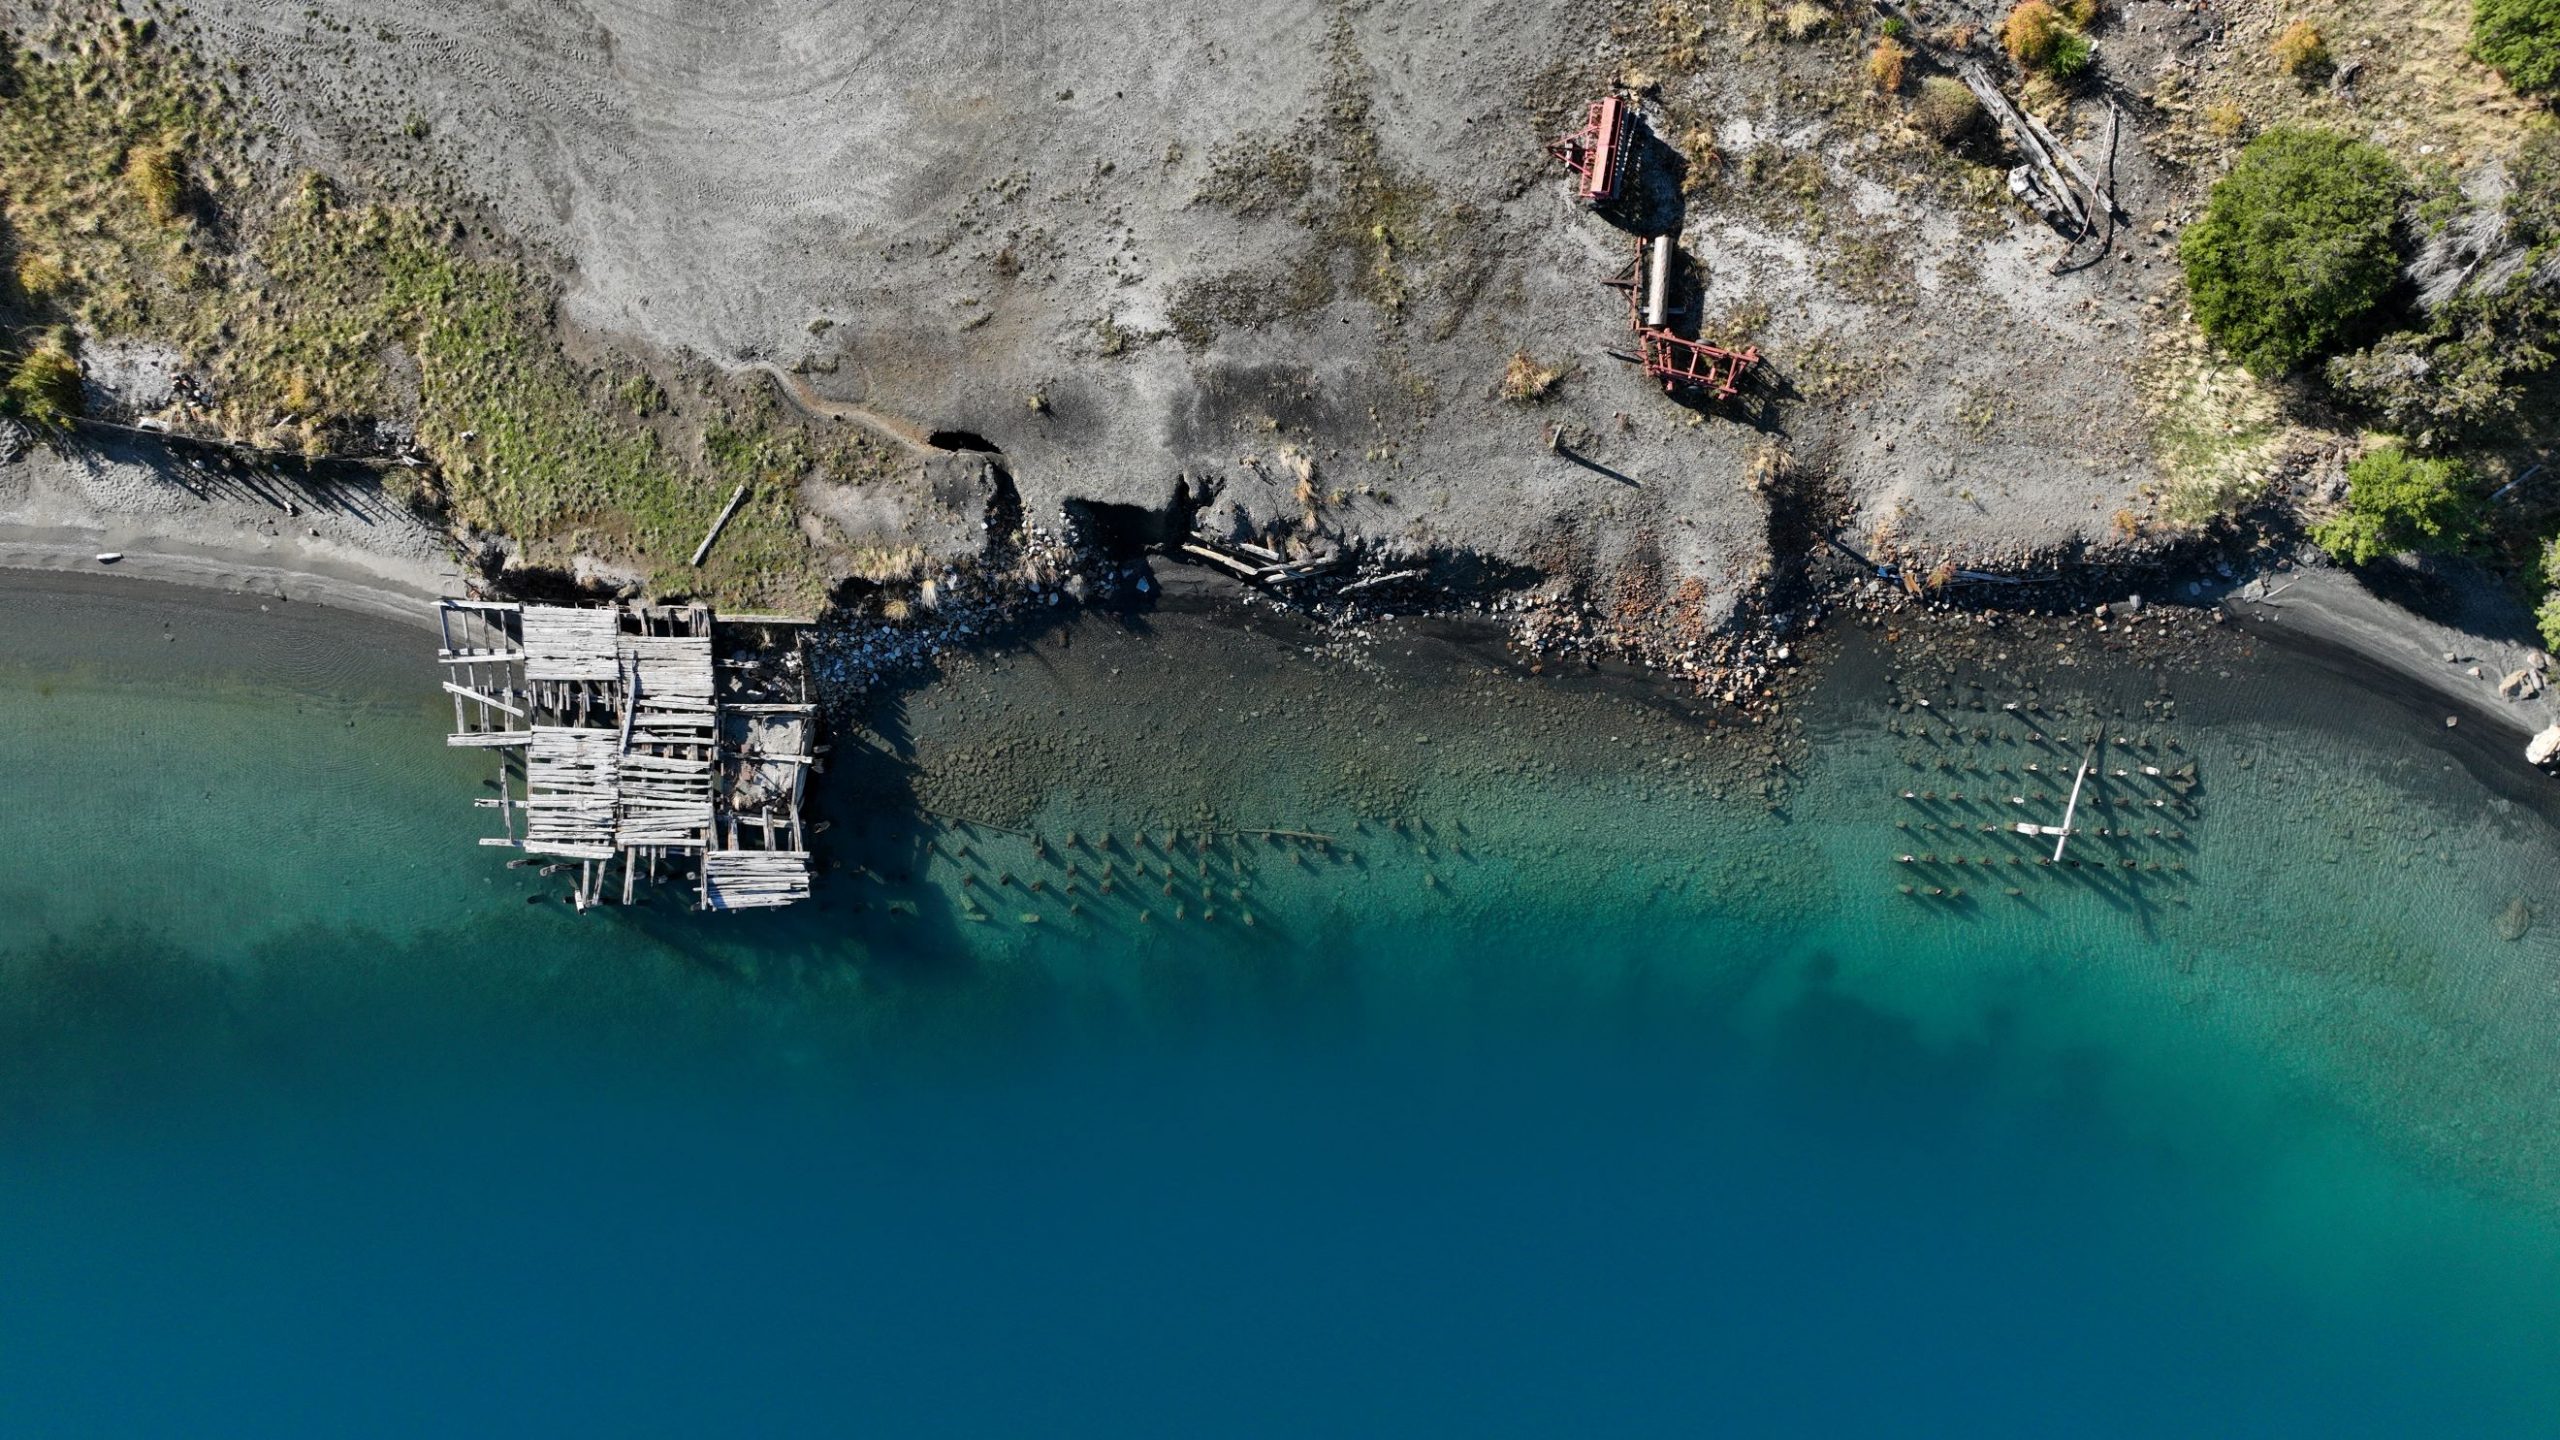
x: 2033, y: 141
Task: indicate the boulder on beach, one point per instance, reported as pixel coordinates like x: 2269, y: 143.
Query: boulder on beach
x: 2542, y: 747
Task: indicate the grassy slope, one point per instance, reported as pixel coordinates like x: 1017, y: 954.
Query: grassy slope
x: 298, y: 304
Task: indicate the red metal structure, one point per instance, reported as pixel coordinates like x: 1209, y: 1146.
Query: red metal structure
x: 1693, y: 365
x: 1597, y: 153
x: 1677, y: 363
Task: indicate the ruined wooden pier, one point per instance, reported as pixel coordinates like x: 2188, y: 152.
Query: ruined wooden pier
x: 656, y: 735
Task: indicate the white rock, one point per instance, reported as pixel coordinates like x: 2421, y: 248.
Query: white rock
x: 2542, y: 747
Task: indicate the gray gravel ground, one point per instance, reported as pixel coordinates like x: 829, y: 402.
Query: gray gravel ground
x: 1246, y: 243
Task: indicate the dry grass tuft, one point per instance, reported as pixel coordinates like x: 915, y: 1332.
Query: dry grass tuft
x: 1699, y: 148
x: 1769, y: 465
x: 1885, y: 64
x: 2033, y: 34
x: 152, y: 171
x: 1803, y: 21
x: 1946, y: 109
x: 1525, y: 381
x: 39, y: 279
x: 2300, y: 50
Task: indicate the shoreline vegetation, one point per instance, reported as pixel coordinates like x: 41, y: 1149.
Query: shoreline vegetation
x: 166, y: 266
x: 151, y: 270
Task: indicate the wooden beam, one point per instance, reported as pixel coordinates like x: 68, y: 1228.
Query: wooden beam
x: 466, y: 693
x: 735, y: 499
x: 1240, y: 569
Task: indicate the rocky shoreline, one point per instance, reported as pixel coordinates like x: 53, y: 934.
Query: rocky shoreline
x: 173, y: 518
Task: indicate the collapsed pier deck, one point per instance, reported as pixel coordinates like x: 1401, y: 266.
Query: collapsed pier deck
x: 633, y: 733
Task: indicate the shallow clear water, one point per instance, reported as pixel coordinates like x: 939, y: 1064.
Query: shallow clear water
x: 1598, y: 1097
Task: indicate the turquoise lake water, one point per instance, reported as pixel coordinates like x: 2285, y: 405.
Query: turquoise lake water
x: 1571, y: 1089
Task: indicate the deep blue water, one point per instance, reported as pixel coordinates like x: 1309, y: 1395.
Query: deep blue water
x: 315, y: 1127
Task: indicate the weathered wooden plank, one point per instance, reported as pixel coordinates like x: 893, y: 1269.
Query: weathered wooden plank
x: 466, y: 693
x: 490, y: 738
x: 736, y: 498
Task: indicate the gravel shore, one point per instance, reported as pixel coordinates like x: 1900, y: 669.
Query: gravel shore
x: 334, y: 540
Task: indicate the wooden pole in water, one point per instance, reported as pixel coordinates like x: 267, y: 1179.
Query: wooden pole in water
x: 2068, y: 810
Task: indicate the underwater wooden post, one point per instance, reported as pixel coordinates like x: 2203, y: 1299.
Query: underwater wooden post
x: 2071, y: 808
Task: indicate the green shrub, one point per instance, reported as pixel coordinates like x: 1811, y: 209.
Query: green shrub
x: 44, y: 386
x: 2464, y: 374
x: 2467, y: 371
x: 2296, y: 248
x: 2519, y: 39
x: 2397, y: 501
x: 2071, y: 56
x: 2548, y: 617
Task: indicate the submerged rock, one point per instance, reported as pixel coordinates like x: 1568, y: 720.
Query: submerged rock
x: 2515, y: 920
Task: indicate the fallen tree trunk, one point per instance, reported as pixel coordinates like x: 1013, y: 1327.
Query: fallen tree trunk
x: 2031, y: 140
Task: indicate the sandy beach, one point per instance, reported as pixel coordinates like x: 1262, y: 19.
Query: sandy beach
x: 2460, y: 654
x: 337, y: 541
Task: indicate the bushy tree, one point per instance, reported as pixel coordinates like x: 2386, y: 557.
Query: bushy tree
x: 2296, y: 248
x: 2548, y: 617
x: 2468, y: 368
x: 2397, y: 501
x: 2520, y: 39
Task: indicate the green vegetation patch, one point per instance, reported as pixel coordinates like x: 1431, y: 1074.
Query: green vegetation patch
x: 95, y: 185
x: 2519, y: 39
x: 2399, y: 502
x: 2296, y: 248
x: 316, y: 317
x: 543, y: 458
x: 2465, y: 374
